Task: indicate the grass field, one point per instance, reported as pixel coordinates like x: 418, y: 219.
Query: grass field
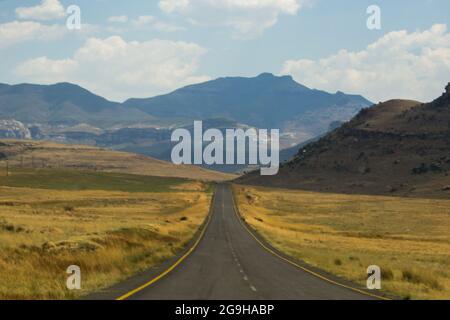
x: 344, y: 234
x: 111, y: 225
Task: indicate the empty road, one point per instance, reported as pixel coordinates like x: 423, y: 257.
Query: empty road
x: 230, y: 264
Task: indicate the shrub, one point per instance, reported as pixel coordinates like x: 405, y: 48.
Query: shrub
x: 418, y: 278
x: 69, y: 209
x: 387, y: 274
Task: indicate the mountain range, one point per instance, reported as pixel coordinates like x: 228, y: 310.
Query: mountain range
x: 66, y: 112
x: 400, y: 147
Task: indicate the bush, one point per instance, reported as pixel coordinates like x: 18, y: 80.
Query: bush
x: 69, y: 209
x: 417, y: 278
x: 387, y: 274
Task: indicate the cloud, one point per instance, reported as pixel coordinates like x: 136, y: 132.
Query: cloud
x: 20, y: 31
x: 246, y: 18
x: 118, y: 19
x: 48, y: 69
x: 144, y: 20
x: 155, y: 23
x: 47, y: 10
x: 398, y: 65
x: 119, y: 70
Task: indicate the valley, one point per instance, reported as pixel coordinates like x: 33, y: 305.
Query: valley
x: 224, y: 158
x: 370, y: 191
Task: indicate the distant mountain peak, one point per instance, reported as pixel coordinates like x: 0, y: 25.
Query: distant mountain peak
x: 266, y: 75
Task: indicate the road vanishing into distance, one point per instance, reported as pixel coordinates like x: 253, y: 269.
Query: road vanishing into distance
x: 229, y: 263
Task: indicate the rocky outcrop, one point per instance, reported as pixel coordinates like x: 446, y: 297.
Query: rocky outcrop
x: 12, y: 129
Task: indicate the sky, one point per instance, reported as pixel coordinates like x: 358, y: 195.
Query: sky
x: 142, y: 48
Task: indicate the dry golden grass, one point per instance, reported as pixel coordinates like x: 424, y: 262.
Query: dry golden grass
x: 344, y: 234
x: 37, y: 154
x: 109, y: 234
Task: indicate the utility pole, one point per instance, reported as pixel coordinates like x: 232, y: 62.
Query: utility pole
x: 7, y: 168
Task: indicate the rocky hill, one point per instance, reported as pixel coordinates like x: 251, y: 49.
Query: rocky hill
x: 399, y: 147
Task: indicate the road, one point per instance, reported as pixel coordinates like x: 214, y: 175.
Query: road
x: 230, y: 264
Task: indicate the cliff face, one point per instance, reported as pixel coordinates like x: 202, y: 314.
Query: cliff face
x: 12, y: 129
x: 399, y: 147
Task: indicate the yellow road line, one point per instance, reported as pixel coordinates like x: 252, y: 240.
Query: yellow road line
x: 176, y: 264
x: 299, y: 266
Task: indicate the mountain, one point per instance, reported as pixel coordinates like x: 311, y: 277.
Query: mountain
x: 66, y: 112
x: 265, y: 101
x: 62, y: 104
x: 399, y: 147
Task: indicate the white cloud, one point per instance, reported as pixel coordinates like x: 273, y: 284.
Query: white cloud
x: 155, y: 23
x: 118, y: 19
x: 47, y: 10
x: 119, y: 70
x: 246, y: 18
x: 399, y: 65
x: 143, y: 20
x: 19, y: 31
x: 48, y: 69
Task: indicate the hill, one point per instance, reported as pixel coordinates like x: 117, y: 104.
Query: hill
x: 33, y: 154
x: 62, y: 104
x: 399, y: 147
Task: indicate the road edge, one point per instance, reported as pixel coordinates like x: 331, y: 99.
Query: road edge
x: 139, y: 282
x: 314, y: 271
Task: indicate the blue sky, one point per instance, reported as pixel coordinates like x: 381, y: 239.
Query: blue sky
x: 140, y: 48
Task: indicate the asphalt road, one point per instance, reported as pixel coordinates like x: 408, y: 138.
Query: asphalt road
x: 229, y: 264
